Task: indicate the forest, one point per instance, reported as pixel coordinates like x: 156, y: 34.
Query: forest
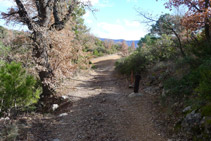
x: 39, y: 65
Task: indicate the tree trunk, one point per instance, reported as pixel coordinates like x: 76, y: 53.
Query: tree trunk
x: 40, y: 52
x: 207, y: 31
x: 207, y: 26
x: 180, y: 43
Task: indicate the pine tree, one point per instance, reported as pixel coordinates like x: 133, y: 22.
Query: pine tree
x: 49, y: 23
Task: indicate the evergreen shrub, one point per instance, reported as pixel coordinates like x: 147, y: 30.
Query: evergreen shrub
x: 18, y: 89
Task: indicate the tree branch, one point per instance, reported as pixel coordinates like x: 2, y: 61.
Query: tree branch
x: 24, y: 15
x: 59, y: 25
x: 194, y: 6
x: 48, y: 10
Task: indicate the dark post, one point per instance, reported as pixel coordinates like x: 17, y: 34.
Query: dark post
x: 137, y: 80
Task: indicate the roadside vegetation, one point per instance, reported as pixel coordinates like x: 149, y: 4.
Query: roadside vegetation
x: 176, y: 55
x: 21, y: 87
x: 177, y: 59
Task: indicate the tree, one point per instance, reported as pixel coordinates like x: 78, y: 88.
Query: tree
x: 79, y: 27
x: 169, y: 25
x: 197, y: 16
x: 47, y: 20
x: 133, y: 46
x: 108, y: 43
x: 148, y: 39
x: 124, y: 48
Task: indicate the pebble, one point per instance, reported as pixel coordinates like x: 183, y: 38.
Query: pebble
x: 55, y: 106
x: 56, y: 139
x: 64, y: 97
x: 4, y: 119
x: 135, y: 95
x: 186, y: 109
x: 63, y: 114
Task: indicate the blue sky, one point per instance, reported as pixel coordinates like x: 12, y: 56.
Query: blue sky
x: 115, y: 19
x: 118, y: 19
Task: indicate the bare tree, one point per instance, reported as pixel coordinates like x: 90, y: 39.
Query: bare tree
x: 124, y: 48
x: 108, y: 43
x: 133, y: 46
x: 43, y: 17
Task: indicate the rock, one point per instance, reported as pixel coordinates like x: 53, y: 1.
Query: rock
x: 63, y: 114
x: 151, y: 79
x: 56, y: 139
x: 131, y: 86
x: 55, y: 106
x: 163, y: 93
x: 4, y: 119
x: 149, y: 90
x: 135, y: 95
x: 191, y: 120
x: 160, y: 85
x: 64, y: 97
x: 186, y: 109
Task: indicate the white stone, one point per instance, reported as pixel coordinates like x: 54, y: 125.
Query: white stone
x: 55, y: 106
x: 135, y: 95
x: 63, y: 114
x: 186, y: 109
x: 64, y: 97
x: 3, y: 119
x: 56, y: 139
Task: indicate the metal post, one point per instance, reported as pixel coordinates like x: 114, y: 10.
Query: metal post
x: 137, y: 80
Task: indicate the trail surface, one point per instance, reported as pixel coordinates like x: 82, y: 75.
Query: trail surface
x: 102, y: 110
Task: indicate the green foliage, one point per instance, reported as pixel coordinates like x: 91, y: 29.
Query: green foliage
x: 134, y: 63
x: 4, y: 51
x: 167, y: 24
x: 178, y: 88
x: 3, y: 32
x: 98, y: 48
x: 157, y: 49
x: 204, y: 87
x: 149, y: 40
x: 17, y: 88
x: 196, y: 83
x: 206, y: 110
x: 98, y: 52
x: 9, y: 133
x: 79, y: 28
x: 200, y: 47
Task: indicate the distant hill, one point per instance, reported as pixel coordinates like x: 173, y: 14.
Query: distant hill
x: 129, y: 42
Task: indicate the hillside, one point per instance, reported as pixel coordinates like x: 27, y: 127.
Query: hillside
x: 129, y: 42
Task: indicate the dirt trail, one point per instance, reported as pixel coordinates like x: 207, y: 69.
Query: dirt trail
x: 102, y: 110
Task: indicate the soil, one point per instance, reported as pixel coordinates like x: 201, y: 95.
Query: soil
x: 101, y: 110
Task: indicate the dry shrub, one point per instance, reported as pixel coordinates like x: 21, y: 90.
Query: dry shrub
x: 65, y: 54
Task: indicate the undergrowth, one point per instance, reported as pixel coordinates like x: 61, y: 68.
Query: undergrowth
x: 18, y: 89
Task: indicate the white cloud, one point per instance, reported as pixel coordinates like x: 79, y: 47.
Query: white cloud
x: 132, y: 23
x: 121, y: 29
x: 89, y: 21
x: 7, y: 3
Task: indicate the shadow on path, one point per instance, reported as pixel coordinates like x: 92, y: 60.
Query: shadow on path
x: 106, y: 114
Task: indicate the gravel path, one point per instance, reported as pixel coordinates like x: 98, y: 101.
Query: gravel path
x: 102, y: 110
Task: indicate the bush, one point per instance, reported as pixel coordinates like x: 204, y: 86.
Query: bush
x: 204, y: 87
x: 135, y: 63
x: 17, y: 88
x: 195, y: 83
